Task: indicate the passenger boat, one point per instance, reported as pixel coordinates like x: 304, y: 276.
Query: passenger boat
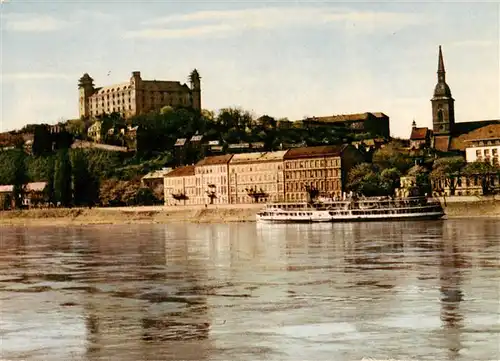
x: 353, y: 209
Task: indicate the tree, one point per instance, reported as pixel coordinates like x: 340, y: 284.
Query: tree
x: 180, y: 197
x: 447, y: 170
x: 211, y: 193
x: 5, y: 201
x: 145, y: 197
x: 392, y: 157
x: 19, y: 177
x: 312, y: 193
x: 358, y: 176
x: 256, y: 194
x: 166, y: 109
x: 366, y: 179
x: 62, y: 178
x: 49, y: 190
x: 422, y: 181
x: 485, y: 171
x: 42, y: 140
x: 62, y: 139
x: 77, y: 128
x: 85, y: 184
x: 390, y: 180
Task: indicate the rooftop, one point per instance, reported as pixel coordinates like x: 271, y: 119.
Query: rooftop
x: 35, y: 186
x: 488, y: 132
x: 30, y: 187
x: 467, y: 127
x: 112, y: 88
x: 312, y: 152
x: 157, y: 173
x: 6, y: 188
x: 181, y: 171
x: 271, y: 156
x: 347, y: 117
x: 214, y: 160
x: 246, y: 157
x: 419, y: 133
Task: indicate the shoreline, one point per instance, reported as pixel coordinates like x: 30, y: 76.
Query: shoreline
x: 192, y: 214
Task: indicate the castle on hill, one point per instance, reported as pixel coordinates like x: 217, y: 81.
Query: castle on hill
x: 137, y: 96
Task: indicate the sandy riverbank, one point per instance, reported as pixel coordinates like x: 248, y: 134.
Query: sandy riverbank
x: 128, y: 215
x: 195, y: 214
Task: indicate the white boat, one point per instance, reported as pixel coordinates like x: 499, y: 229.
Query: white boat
x: 350, y: 210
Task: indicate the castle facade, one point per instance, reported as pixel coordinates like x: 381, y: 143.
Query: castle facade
x: 137, y: 96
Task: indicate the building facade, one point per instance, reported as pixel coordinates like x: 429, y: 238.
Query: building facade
x: 483, y: 145
x: 471, y: 185
x: 180, y: 186
x: 420, y: 137
x: 137, y: 96
x: 449, y: 135
x: 324, y: 168
x: 212, y: 180
x: 260, y: 177
x: 376, y: 124
x: 256, y: 177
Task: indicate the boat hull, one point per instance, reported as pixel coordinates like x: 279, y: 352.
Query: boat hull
x: 360, y: 218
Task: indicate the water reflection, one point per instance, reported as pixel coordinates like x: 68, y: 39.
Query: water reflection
x: 422, y: 290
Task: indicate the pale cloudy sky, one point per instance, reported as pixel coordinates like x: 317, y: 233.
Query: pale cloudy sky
x: 283, y: 58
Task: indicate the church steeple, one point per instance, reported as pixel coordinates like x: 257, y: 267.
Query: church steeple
x: 443, y: 110
x: 441, y: 72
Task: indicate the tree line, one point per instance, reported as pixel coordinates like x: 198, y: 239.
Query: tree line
x: 381, y: 177
x: 77, y: 177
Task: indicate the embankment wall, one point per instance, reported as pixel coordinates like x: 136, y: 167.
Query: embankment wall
x: 196, y: 214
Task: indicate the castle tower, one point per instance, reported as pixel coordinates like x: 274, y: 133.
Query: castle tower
x: 85, y: 89
x: 194, y: 79
x: 443, y: 109
x: 137, y: 100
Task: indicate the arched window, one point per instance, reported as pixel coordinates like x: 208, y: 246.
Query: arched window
x: 440, y: 115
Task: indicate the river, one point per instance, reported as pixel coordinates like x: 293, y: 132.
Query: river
x: 246, y: 291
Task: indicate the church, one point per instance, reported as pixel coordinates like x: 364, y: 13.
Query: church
x: 446, y: 135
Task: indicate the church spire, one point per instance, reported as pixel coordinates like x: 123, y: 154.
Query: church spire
x: 443, y: 110
x: 441, y: 72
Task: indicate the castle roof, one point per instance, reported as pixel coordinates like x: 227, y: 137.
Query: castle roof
x: 112, y: 88
x: 347, y: 117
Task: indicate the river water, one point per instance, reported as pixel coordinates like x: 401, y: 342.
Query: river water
x: 420, y: 291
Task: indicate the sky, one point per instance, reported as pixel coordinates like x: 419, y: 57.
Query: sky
x: 283, y: 58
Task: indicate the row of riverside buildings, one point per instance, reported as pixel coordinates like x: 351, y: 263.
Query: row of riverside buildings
x: 276, y: 176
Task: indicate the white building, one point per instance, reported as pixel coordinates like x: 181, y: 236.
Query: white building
x: 483, y: 144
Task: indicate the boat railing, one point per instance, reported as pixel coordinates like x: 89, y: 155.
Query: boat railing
x: 359, y: 203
